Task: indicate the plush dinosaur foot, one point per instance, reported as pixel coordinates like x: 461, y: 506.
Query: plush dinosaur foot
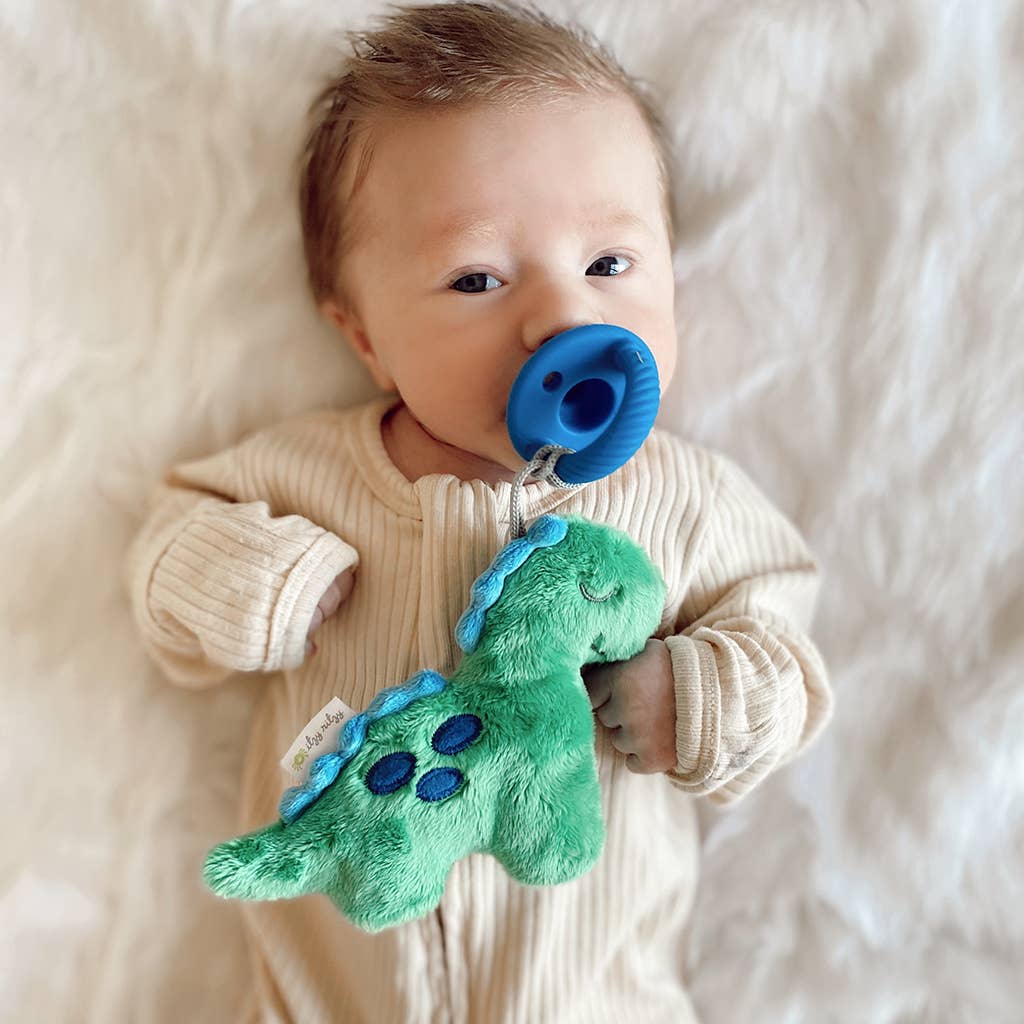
x: 265, y: 865
x: 374, y: 890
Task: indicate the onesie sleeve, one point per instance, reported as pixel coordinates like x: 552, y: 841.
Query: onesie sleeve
x: 217, y: 583
x: 751, y: 688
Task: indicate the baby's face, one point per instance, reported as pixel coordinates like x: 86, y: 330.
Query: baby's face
x: 485, y: 232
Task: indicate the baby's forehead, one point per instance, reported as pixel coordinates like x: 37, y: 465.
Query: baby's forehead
x: 520, y: 134
x: 437, y: 174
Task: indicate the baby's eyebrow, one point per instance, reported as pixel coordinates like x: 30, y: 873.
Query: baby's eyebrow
x: 472, y: 225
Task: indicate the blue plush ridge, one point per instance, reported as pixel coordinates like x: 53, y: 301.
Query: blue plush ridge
x: 545, y: 531
x: 327, y: 767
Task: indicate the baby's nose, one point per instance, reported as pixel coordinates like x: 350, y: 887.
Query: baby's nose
x: 555, y: 304
x: 533, y: 340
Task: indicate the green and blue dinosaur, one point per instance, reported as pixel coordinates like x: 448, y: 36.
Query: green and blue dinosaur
x: 497, y: 759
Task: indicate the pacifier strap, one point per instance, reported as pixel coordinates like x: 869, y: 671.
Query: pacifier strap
x: 540, y: 467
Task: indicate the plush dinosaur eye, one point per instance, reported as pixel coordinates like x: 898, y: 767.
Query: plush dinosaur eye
x: 590, y: 596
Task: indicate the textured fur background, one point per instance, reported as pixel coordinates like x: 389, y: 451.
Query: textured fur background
x: 851, y: 300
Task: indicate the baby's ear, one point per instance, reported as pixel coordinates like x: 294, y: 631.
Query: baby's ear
x: 352, y: 330
x: 338, y: 317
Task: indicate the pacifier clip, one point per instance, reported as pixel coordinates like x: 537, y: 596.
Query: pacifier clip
x: 540, y: 467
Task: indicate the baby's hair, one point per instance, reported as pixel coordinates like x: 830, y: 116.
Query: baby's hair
x: 436, y: 56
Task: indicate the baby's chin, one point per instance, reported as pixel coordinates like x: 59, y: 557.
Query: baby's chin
x: 504, y: 456
x: 492, y: 450
x: 500, y: 452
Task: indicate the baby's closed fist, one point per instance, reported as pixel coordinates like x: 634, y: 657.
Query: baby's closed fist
x: 339, y: 589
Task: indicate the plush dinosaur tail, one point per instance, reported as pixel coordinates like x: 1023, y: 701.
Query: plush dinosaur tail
x: 266, y: 865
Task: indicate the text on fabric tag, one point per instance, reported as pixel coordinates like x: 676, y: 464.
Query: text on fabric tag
x: 320, y: 736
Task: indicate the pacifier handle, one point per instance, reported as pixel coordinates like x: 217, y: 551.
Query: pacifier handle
x: 632, y: 421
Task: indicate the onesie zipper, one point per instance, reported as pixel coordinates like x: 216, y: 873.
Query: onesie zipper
x: 439, y: 983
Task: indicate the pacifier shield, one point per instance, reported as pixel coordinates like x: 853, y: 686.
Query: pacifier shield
x: 594, y: 389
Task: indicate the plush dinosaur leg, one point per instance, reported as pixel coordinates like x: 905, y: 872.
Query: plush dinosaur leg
x: 267, y: 865
x: 373, y: 874
x: 551, y: 829
x: 392, y: 879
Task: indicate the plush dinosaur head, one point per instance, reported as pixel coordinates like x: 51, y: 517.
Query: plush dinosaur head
x: 577, y: 590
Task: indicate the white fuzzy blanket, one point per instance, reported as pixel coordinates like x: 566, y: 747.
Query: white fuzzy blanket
x: 851, y: 296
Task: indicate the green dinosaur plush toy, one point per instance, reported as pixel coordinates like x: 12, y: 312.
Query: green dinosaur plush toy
x: 497, y: 759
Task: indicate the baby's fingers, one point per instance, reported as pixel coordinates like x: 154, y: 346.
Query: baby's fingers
x: 316, y: 622
x: 344, y: 583
x: 598, y: 681
x: 339, y: 589
x: 329, y: 602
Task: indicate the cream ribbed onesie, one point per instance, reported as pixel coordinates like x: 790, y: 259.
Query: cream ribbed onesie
x: 235, y: 553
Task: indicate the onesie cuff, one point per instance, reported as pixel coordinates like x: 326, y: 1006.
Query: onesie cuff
x: 314, y: 572
x: 692, y: 718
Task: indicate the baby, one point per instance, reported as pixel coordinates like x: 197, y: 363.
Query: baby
x: 479, y: 179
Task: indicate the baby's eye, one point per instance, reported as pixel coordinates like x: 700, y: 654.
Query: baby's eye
x: 605, y: 265
x: 473, y: 284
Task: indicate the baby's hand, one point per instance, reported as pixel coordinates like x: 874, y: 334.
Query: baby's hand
x: 636, y: 700
x: 339, y: 589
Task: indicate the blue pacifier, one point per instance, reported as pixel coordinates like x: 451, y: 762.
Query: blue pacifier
x: 593, y: 389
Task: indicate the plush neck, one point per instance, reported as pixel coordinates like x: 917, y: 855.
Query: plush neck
x: 517, y: 667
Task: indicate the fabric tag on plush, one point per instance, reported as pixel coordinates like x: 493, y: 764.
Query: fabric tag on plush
x: 320, y: 736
